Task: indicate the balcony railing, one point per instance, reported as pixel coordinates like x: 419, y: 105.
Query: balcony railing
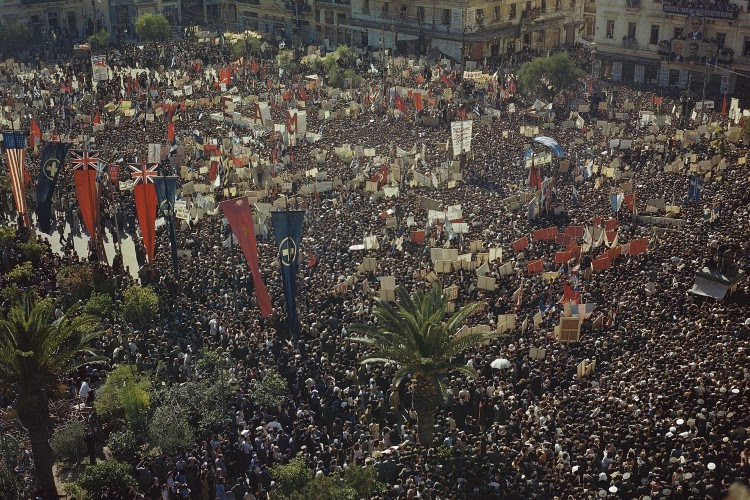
x: 729, y: 11
x: 629, y: 43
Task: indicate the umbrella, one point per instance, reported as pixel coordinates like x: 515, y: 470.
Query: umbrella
x: 500, y: 364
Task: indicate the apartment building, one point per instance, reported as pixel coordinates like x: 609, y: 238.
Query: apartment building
x: 672, y: 43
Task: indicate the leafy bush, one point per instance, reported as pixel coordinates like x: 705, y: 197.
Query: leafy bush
x: 364, y: 481
x: 99, y: 305
x: 124, y: 396
x: 292, y: 477
x: 205, y: 400
x: 32, y: 249
x: 152, y: 27
x: 99, y: 40
x: 141, y: 305
x: 13, y: 293
x: 8, y: 483
x: 68, y: 444
x: 113, y: 475
x: 270, y: 390
x: 21, y: 272
x: 7, y: 236
x: 170, y: 429
x: 75, y: 283
x: 73, y: 491
x: 124, y: 446
x: 329, y: 488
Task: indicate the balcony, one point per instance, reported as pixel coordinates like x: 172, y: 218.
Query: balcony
x: 633, y: 4
x: 727, y: 11
x: 629, y: 43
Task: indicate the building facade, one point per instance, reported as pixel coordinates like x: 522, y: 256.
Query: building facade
x: 671, y: 44
x: 69, y: 20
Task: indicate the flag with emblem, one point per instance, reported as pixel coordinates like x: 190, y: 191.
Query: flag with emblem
x: 53, y: 159
x: 166, y: 195
x: 85, y: 169
x: 695, y: 188
x: 144, y: 193
x: 15, y: 147
x: 712, y: 214
x: 287, y: 231
x: 240, y: 217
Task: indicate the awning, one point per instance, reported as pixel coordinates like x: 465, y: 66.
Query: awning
x: 709, y: 288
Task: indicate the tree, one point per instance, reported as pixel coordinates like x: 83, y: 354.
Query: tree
x: 152, y: 27
x: 270, y: 391
x: 548, y: 75
x: 285, y: 60
x: 111, y: 475
x: 35, y: 352
x: 170, y: 429
x: 141, y: 305
x: 345, y: 56
x: 99, y: 40
x: 292, y: 477
x: 7, y: 237
x: 414, y: 334
x: 14, y: 36
x: 124, y: 397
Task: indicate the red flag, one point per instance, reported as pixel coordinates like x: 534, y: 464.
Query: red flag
x: 446, y: 81
x: 417, y: 236
x: 302, y: 94
x: 287, y: 95
x: 239, y: 214
x: 98, y: 118
x: 570, y: 296
x: 658, y: 100
x: 254, y: 66
x: 381, y: 176
x: 36, y: 134
x: 144, y: 192
x: 535, y: 180
x: 84, y: 174
x: 212, y: 171
x: 418, y: 102
x: 630, y: 201
x: 170, y: 132
x: 519, y: 300
x: 724, y: 106
x: 399, y: 104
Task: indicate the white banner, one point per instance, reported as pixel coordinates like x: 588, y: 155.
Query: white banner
x: 461, y: 136
x: 99, y: 69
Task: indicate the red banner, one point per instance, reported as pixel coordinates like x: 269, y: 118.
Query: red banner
x: 240, y: 217
x: 114, y: 174
x: 417, y: 236
x: 602, y: 263
x: 87, y: 189
x: 144, y: 192
x: 535, y: 266
x: 520, y: 244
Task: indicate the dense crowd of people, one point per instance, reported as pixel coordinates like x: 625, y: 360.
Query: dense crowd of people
x: 663, y: 415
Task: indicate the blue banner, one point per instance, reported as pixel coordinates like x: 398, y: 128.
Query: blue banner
x: 287, y: 231
x: 53, y: 161
x: 166, y: 195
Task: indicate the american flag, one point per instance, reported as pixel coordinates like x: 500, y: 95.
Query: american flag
x: 15, y: 144
x: 143, y: 173
x: 84, y: 160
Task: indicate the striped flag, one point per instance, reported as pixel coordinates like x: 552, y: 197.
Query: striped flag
x: 15, y: 144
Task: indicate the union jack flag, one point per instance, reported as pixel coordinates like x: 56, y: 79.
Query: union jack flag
x: 143, y: 173
x: 84, y: 160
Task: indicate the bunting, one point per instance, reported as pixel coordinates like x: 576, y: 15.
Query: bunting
x: 145, y: 204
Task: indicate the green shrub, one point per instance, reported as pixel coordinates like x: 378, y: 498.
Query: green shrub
x: 152, y: 27
x: 75, y: 283
x: 8, y: 482
x: 113, y: 475
x: 170, y: 429
x: 32, y: 249
x: 124, y: 446
x: 68, y: 444
x: 14, y: 293
x: 7, y: 236
x: 270, y: 391
x: 99, y: 40
x: 124, y: 396
x: 364, y: 480
x: 292, y: 477
x: 206, y: 400
x: 21, y: 272
x: 99, y: 305
x: 73, y: 491
x: 141, y: 305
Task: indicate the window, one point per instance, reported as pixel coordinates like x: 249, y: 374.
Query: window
x: 385, y: 8
x: 610, y: 28
x: 341, y: 19
x: 746, y: 47
x: 328, y: 17
x: 631, y: 30
x: 446, y: 17
x: 677, y: 33
x: 721, y: 40
x: 420, y: 14
x: 497, y: 13
x: 317, y: 15
x: 654, y: 38
x: 480, y: 16
x: 512, y: 11
x: 544, y: 5
x: 528, y: 7
x: 366, y: 6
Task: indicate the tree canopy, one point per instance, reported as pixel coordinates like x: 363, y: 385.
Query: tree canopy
x: 548, y: 75
x: 152, y: 27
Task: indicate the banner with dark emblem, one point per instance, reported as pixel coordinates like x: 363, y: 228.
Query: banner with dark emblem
x: 287, y: 230
x: 53, y: 160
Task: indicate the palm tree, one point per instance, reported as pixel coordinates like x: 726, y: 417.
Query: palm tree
x: 35, y: 351
x: 414, y: 334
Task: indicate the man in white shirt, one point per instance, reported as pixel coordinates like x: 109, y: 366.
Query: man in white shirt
x: 83, y: 392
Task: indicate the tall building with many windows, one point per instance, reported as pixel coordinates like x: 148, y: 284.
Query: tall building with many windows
x: 673, y: 43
